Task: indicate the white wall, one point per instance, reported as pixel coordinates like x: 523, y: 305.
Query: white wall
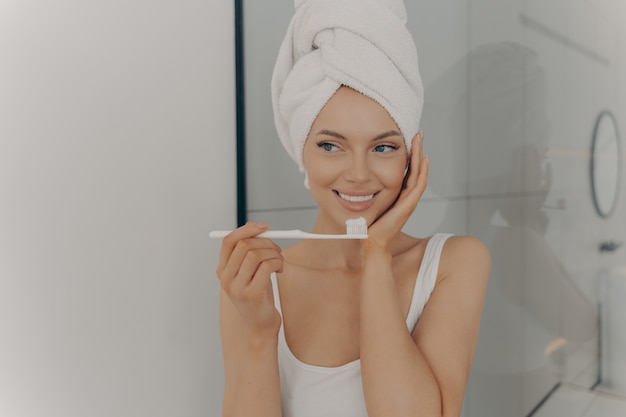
x: 117, y: 156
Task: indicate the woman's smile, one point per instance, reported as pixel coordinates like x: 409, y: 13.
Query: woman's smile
x: 356, y: 202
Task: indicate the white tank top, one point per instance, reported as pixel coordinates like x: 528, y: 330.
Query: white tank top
x: 318, y: 391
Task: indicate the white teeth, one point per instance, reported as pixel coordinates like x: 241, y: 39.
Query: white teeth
x: 356, y: 198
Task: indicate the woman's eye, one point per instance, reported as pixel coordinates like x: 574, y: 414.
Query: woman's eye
x: 328, y: 147
x: 385, y: 148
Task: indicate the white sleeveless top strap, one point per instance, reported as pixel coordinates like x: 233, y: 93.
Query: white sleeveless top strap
x: 318, y: 391
x: 426, y: 278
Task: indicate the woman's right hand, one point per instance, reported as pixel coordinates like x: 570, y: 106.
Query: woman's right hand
x: 244, y: 269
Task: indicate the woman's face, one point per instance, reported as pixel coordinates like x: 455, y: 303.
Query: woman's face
x: 355, y: 157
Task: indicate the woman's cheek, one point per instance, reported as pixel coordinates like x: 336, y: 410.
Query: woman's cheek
x: 392, y: 175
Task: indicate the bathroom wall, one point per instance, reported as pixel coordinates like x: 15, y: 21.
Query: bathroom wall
x: 513, y: 90
x: 117, y: 156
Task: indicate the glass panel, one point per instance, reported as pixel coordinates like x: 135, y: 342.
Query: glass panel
x: 512, y: 93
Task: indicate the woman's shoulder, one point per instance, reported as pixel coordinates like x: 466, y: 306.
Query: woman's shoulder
x: 465, y: 255
x: 465, y: 246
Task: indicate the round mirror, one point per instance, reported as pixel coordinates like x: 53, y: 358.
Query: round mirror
x: 605, y: 164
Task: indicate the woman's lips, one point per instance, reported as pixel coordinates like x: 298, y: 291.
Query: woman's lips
x: 356, y: 202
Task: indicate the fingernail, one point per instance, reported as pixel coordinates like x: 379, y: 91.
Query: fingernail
x: 262, y: 225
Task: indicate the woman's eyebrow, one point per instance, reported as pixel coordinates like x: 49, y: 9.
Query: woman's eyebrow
x: 377, y: 137
x: 331, y: 133
x: 387, y: 134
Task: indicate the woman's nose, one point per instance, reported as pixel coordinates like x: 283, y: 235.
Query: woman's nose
x: 358, y: 170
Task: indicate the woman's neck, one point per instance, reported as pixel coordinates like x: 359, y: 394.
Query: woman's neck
x: 328, y: 253
x: 344, y: 254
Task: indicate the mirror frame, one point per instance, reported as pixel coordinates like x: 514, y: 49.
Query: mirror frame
x: 601, y: 212
x: 240, y: 116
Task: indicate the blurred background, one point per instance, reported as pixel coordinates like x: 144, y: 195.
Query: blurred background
x: 118, y: 133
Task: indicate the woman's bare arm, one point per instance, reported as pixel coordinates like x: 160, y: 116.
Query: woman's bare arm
x: 397, y: 379
x: 249, y: 323
x: 424, y: 373
x: 251, y: 367
x: 447, y: 331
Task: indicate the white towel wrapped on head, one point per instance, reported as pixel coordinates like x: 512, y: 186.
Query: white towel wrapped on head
x: 363, y: 44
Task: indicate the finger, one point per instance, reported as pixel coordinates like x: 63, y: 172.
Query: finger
x: 248, y: 230
x: 411, y: 196
x: 238, y: 254
x: 261, y: 278
x: 253, y: 260
x: 416, y: 158
x: 245, y: 286
x: 422, y: 179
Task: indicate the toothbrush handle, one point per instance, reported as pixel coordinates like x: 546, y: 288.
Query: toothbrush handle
x: 290, y: 234
x: 271, y: 234
x: 283, y: 234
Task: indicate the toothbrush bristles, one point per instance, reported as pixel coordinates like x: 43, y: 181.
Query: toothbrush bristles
x: 356, y: 227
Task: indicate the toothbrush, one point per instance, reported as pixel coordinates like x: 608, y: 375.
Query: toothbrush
x: 355, y: 229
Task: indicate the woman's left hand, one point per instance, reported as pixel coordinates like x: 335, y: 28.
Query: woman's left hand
x: 382, y: 231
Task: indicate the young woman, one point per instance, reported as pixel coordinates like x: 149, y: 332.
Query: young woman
x: 330, y: 328
x: 344, y: 301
